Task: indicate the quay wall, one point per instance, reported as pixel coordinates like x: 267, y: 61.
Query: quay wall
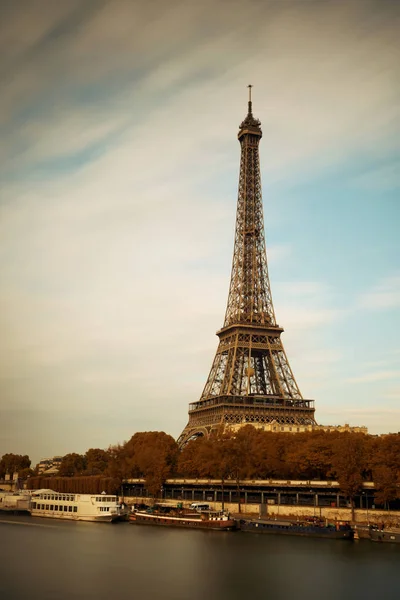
x: 277, y: 511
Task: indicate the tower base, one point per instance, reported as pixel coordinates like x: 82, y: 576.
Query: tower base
x: 211, y: 416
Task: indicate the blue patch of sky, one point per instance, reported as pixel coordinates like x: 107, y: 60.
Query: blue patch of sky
x: 347, y: 234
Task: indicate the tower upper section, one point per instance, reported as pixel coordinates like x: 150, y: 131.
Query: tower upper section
x: 250, y: 125
x: 249, y: 300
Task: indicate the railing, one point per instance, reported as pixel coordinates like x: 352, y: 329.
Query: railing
x: 258, y: 401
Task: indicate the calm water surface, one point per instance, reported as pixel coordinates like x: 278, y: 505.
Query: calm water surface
x: 50, y: 559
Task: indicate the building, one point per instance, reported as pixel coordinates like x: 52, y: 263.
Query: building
x: 49, y: 466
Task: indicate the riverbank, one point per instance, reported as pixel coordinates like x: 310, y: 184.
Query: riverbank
x: 372, y: 516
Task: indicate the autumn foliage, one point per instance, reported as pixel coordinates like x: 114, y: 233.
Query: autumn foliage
x: 250, y: 453
x: 349, y: 458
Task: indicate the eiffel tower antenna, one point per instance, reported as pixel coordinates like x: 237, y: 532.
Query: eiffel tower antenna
x: 250, y: 381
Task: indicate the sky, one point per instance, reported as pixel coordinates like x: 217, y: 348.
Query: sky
x: 119, y: 170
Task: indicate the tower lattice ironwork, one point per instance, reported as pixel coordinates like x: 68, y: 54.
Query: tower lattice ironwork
x: 250, y: 381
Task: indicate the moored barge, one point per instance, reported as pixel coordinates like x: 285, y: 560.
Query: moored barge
x: 212, y: 520
x: 340, y: 530
x: 389, y: 534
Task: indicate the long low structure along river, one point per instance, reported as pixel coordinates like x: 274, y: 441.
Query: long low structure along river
x: 277, y: 497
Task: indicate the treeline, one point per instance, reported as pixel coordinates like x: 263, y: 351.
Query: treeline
x: 350, y: 458
x: 15, y: 463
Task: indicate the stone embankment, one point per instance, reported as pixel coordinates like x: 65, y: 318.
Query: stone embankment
x: 293, y: 512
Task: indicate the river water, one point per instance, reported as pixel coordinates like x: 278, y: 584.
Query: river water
x: 56, y: 560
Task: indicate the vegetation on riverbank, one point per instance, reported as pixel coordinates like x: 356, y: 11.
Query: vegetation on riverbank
x: 350, y: 458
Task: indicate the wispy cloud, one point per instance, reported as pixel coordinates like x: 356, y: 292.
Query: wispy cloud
x: 386, y: 177
x: 375, y: 376
x: 385, y: 295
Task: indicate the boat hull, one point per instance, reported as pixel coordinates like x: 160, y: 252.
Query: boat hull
x: 74, y: 517
x: 305, y: 530
x: 385, y: 535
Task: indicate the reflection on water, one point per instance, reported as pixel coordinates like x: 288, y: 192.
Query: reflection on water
x: 46, y: 559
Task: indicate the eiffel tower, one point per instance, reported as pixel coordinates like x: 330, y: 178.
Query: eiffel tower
x: 250, y: 381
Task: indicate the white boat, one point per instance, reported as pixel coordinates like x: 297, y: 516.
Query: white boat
x: 77, y: 507
x: 15, y: 502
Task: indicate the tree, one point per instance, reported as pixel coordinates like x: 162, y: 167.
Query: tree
x: 150, y: 454
x: 386, y: 485
x: 72, y: 464
x: 25, y: 473
x: 11, y: 463
x: 349, y: 464
x: 96, y: 461
x: 385, y: 466
x: 310, y: 454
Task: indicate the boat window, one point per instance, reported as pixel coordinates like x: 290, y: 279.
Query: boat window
x: 75, y: 509
x: 47, y: 507
x: 69, y: 508
x: 51, y: 507
x: 65, y: 508
x: 56, y: 507
x: 42, y: 506
x: 33, y: 504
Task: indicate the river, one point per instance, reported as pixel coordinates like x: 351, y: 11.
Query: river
x: 56, y: 560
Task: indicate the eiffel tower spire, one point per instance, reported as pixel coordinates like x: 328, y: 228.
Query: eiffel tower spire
x: 250, y: 381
